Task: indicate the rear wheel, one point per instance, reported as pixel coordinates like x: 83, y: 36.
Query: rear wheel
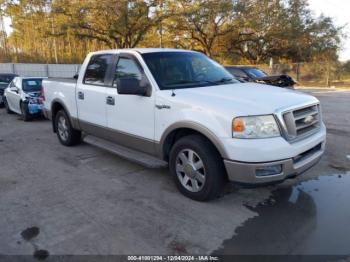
x: 66, y: 134
x: 8, y: 110
x: 197, y: 168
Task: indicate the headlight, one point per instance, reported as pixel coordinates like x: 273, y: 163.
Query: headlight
x: 255, y: 127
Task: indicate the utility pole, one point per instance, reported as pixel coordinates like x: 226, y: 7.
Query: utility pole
x: 54, y: 40
x: 161, y: 24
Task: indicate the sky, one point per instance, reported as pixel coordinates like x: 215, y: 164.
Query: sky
x: 337, y: 9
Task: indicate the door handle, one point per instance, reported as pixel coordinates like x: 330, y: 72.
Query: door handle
x: 110, y: 100
x: 80, y: 95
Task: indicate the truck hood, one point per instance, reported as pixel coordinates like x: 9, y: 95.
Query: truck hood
x: 243, y: 98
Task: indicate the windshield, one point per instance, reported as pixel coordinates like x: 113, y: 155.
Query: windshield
x: 176, y: 70
x: 255, y: 73
x: 31, y: 85
x: 6, y: 79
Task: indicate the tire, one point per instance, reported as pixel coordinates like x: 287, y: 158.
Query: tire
x: 25, y: 112
x: 202, y: 177
x: 8, y: 110
x: 67, y: 135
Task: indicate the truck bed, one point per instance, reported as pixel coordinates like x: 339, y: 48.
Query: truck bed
x: 62, y: 89
x: 61, y: 79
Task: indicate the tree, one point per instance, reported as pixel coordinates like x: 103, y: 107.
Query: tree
x: 200, y: 23
x: 231, y: 31
x: 117, y: 23
x: 260, y: 30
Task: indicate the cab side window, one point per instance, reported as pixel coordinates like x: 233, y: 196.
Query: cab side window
x: 127, y: 68
x: 97, y: 69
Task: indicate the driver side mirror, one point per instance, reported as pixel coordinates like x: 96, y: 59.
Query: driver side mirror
x: 132, y: 86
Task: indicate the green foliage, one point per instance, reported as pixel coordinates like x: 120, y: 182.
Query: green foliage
x: 231, y: 31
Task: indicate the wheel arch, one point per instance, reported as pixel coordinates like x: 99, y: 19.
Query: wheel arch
x: 56, y: 106
x: 179, y: 130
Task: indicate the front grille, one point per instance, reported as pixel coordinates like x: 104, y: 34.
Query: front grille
x: 302, y: 122
x: 2, y: 92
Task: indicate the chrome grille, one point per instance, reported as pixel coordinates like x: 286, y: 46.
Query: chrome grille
x: 302, y: 122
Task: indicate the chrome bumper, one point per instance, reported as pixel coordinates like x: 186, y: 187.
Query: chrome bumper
x: 247, y: 173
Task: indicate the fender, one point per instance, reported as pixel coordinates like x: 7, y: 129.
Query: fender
x: 196, y: 127
x: 74, y: 121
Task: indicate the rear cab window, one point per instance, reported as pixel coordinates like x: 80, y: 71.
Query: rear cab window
x: 32, y: 85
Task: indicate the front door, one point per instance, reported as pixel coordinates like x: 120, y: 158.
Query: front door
x: 131, y: 116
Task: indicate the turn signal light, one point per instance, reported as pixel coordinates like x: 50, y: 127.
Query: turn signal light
x: 238, y: 125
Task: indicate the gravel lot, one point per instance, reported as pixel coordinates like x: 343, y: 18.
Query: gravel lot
x: 82, y: 200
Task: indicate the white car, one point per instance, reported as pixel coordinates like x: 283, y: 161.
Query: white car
x: 22, y: 96
x: 179, y: 108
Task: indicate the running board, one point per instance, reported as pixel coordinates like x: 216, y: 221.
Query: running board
x: 126, y: 153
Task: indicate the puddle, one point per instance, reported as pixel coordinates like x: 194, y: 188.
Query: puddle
x: 311, y: 218
x: 41, y: 254
x: 30, y: 233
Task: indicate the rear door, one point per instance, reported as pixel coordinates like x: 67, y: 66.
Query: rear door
x: 91, y: 92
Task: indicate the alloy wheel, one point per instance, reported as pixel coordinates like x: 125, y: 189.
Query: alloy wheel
x: 190, y: 170
x: 62, y: 128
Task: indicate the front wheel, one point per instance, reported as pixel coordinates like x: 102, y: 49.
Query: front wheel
x: 66, y: 134
x: 197, y: 168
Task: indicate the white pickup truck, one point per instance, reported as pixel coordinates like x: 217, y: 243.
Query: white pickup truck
x: 179, y: 108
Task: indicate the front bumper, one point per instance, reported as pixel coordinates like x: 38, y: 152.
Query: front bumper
x: 248, y: 173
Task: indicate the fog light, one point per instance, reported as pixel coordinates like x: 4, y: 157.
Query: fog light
x: 269, y: 170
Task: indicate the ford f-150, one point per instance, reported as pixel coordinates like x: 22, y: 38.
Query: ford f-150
x: 179, y: 108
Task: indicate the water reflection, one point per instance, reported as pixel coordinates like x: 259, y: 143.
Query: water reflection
x: 310, y: 218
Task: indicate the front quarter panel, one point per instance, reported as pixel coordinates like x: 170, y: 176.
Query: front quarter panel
x: 172, y: 114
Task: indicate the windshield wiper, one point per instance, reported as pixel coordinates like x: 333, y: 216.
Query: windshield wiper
x: 218, y: 82
x: 224, y: 80
x: 221, y: 81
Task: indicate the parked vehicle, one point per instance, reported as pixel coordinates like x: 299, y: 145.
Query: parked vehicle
x: 23, y: 97
x: 253, y: 74
x: 5, y: 80
x: 179, y: 108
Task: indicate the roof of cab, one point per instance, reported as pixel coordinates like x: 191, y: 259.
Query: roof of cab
x: 141, y: 50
